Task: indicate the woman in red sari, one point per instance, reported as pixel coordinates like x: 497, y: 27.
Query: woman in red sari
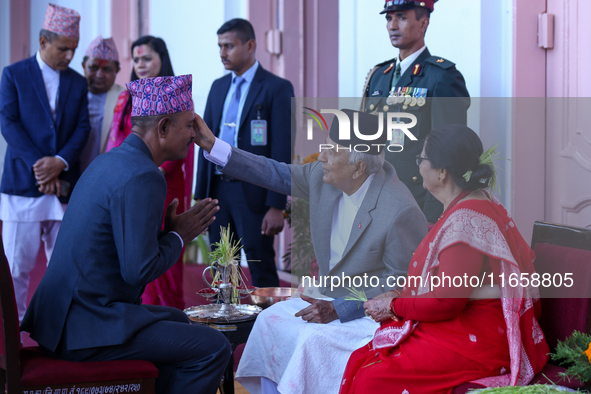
x: 434, y: 338
x: 151, y: 59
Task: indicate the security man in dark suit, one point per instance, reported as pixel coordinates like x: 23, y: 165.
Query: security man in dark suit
x: 429, y: 87
x: 249, y: 108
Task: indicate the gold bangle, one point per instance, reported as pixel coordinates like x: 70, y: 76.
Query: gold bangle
x: 393, y: 316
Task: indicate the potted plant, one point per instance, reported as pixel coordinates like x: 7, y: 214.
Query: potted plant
x: 225, y: 268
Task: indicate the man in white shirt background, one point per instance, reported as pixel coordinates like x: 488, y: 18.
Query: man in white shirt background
x: 44, y: 120
x: 101, y: 65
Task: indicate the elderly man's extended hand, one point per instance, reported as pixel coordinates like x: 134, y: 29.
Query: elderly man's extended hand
x: 319, y: 311
x: 204, y: 137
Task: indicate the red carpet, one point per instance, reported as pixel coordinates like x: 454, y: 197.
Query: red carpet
x: 192, y: 282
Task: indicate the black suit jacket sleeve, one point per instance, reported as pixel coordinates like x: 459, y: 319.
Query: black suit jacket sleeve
x: 208, y: 114
x: 449, y: 106
x: 280, y: 133
x: 204, y: 167
x: 450, y: 100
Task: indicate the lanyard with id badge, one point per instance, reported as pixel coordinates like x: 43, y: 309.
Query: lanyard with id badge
x: 258, y: 129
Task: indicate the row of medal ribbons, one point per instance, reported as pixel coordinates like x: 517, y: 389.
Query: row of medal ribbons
x: 408, y: 96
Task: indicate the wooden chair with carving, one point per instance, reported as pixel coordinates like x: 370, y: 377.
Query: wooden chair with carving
x: 560, y: 250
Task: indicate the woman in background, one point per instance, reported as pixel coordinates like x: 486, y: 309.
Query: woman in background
x: 433, y: 339
x: 151, y: 59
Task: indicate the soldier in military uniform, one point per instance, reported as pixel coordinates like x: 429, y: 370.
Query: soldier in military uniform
x: 429, y: 87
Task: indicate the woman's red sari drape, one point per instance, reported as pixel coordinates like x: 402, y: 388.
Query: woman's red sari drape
x: 167, y: 289
x: 494, y: 342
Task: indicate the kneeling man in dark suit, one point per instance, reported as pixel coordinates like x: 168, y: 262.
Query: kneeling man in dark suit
x: 88, y: 305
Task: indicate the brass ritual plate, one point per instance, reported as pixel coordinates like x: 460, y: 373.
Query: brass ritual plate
x: 211, y: 313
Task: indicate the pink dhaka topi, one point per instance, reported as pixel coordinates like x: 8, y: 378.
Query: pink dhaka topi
x: 161, y: 95
x: 103, y: 48
x: 62, y: 21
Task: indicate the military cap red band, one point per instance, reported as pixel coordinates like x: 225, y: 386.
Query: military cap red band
x: 401, y: 5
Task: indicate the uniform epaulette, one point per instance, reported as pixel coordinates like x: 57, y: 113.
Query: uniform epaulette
x: 439, y: 61
x: 393, y: 60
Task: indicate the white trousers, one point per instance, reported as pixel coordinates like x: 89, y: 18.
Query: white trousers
x: 296, y: 357
x: 268, y: 386
x: 22, y: 241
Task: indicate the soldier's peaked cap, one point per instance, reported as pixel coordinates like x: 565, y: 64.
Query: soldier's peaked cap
x: 403, y: 5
